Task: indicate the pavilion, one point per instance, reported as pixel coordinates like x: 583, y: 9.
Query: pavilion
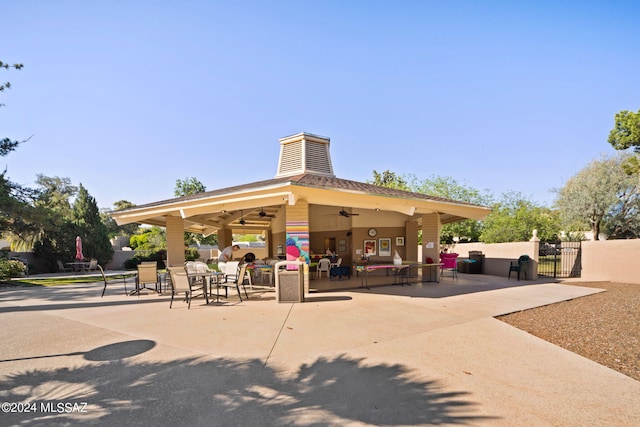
x: 305, y: 210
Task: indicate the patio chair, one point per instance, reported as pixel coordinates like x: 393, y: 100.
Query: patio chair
x: 93, y: 265
x: 180, y: 283
x: 190, y: 266
x: 200, y: 267
x: 265, y: 272
x: 324, y: 265
x: 449, y: 263
x: 108, y: 279
x: 521, y: 265
x: 62, y: 268
x: 237, y: 281
x: 230, y: 270
x: 147, y: 274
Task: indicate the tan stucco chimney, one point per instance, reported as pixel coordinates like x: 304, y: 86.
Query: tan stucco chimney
x: 304, y: 153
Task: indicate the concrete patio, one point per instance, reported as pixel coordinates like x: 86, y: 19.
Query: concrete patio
x: 429, y: 353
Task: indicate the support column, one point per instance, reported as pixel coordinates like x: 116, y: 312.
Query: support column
x: 225, y: 238
x: 431, y: 227
x: 175, y: 241
x: 411, y: 241
x: 297, y: 231
x: 297, y: 228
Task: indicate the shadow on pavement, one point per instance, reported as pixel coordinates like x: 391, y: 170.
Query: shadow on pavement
x: 223, y: 391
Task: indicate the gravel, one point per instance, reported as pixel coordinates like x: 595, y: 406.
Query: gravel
x: 603, y: 327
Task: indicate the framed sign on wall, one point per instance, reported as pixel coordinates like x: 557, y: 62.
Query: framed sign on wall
x: 370, y: 247
x: 384, y: 247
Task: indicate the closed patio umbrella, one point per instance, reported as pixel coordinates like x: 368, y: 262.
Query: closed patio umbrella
x: 79, y: 255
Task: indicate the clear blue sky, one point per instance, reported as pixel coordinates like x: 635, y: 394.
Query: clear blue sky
x: 126, y: 97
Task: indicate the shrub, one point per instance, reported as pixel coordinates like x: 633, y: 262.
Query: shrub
x: 191, y: 254
x: 11, y: 268
x: 133, y: 262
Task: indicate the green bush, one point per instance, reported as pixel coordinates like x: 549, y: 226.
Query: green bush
x: 11, y: 268
x: 133, y: 262
x: 191, y: 254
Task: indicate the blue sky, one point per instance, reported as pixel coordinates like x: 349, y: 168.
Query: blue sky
x: 126, y: 97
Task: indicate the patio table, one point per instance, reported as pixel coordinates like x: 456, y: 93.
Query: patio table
x: 213, y: 276
x: 78, y: 265
x: 432, y: 268
x: 397, y: 270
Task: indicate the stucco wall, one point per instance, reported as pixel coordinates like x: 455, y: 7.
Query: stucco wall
x: 611, y: 260
x: 498, y: 256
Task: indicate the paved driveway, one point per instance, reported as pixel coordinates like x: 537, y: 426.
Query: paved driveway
x: 415, y: 355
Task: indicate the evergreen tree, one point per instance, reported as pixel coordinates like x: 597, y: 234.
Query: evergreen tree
x: 95, y: 238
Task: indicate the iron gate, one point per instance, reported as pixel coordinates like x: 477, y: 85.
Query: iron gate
x: 560, y: 259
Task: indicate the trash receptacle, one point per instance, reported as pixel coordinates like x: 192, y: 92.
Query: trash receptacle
x: 477, y: 256
x: 289, y: 282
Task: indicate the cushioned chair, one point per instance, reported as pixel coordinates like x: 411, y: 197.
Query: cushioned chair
x: 521, y: 265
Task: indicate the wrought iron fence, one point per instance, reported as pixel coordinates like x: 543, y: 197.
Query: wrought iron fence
x: 560, y: 259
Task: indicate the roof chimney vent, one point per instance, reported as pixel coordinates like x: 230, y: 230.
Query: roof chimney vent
x: 304, y: 153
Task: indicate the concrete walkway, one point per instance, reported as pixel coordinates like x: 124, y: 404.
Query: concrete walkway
x: 423, y: 354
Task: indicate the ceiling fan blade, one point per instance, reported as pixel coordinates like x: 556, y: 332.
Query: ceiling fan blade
x: 347, y: 214
x: 263, y: 214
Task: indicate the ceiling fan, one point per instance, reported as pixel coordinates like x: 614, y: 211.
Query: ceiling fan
x: 242, y: 221
x: 347, y: 214
x: 263, y: 214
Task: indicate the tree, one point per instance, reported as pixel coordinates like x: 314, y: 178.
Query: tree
x: 445, y: 187
x: 18, y: 218
x: 6, y: 144
x: 95, y: 239
x: 514, y: 218
x: 390, y: 180
x: 188, y: 187
x: 626, y: 134
x: 600, y: 193
x: 149, y: 239
x: 57, y: 238
x: 449, y: 188
x: 20, y: 221
x: 113, y: 229
x: 54, y: 193
x: 626, y: 131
